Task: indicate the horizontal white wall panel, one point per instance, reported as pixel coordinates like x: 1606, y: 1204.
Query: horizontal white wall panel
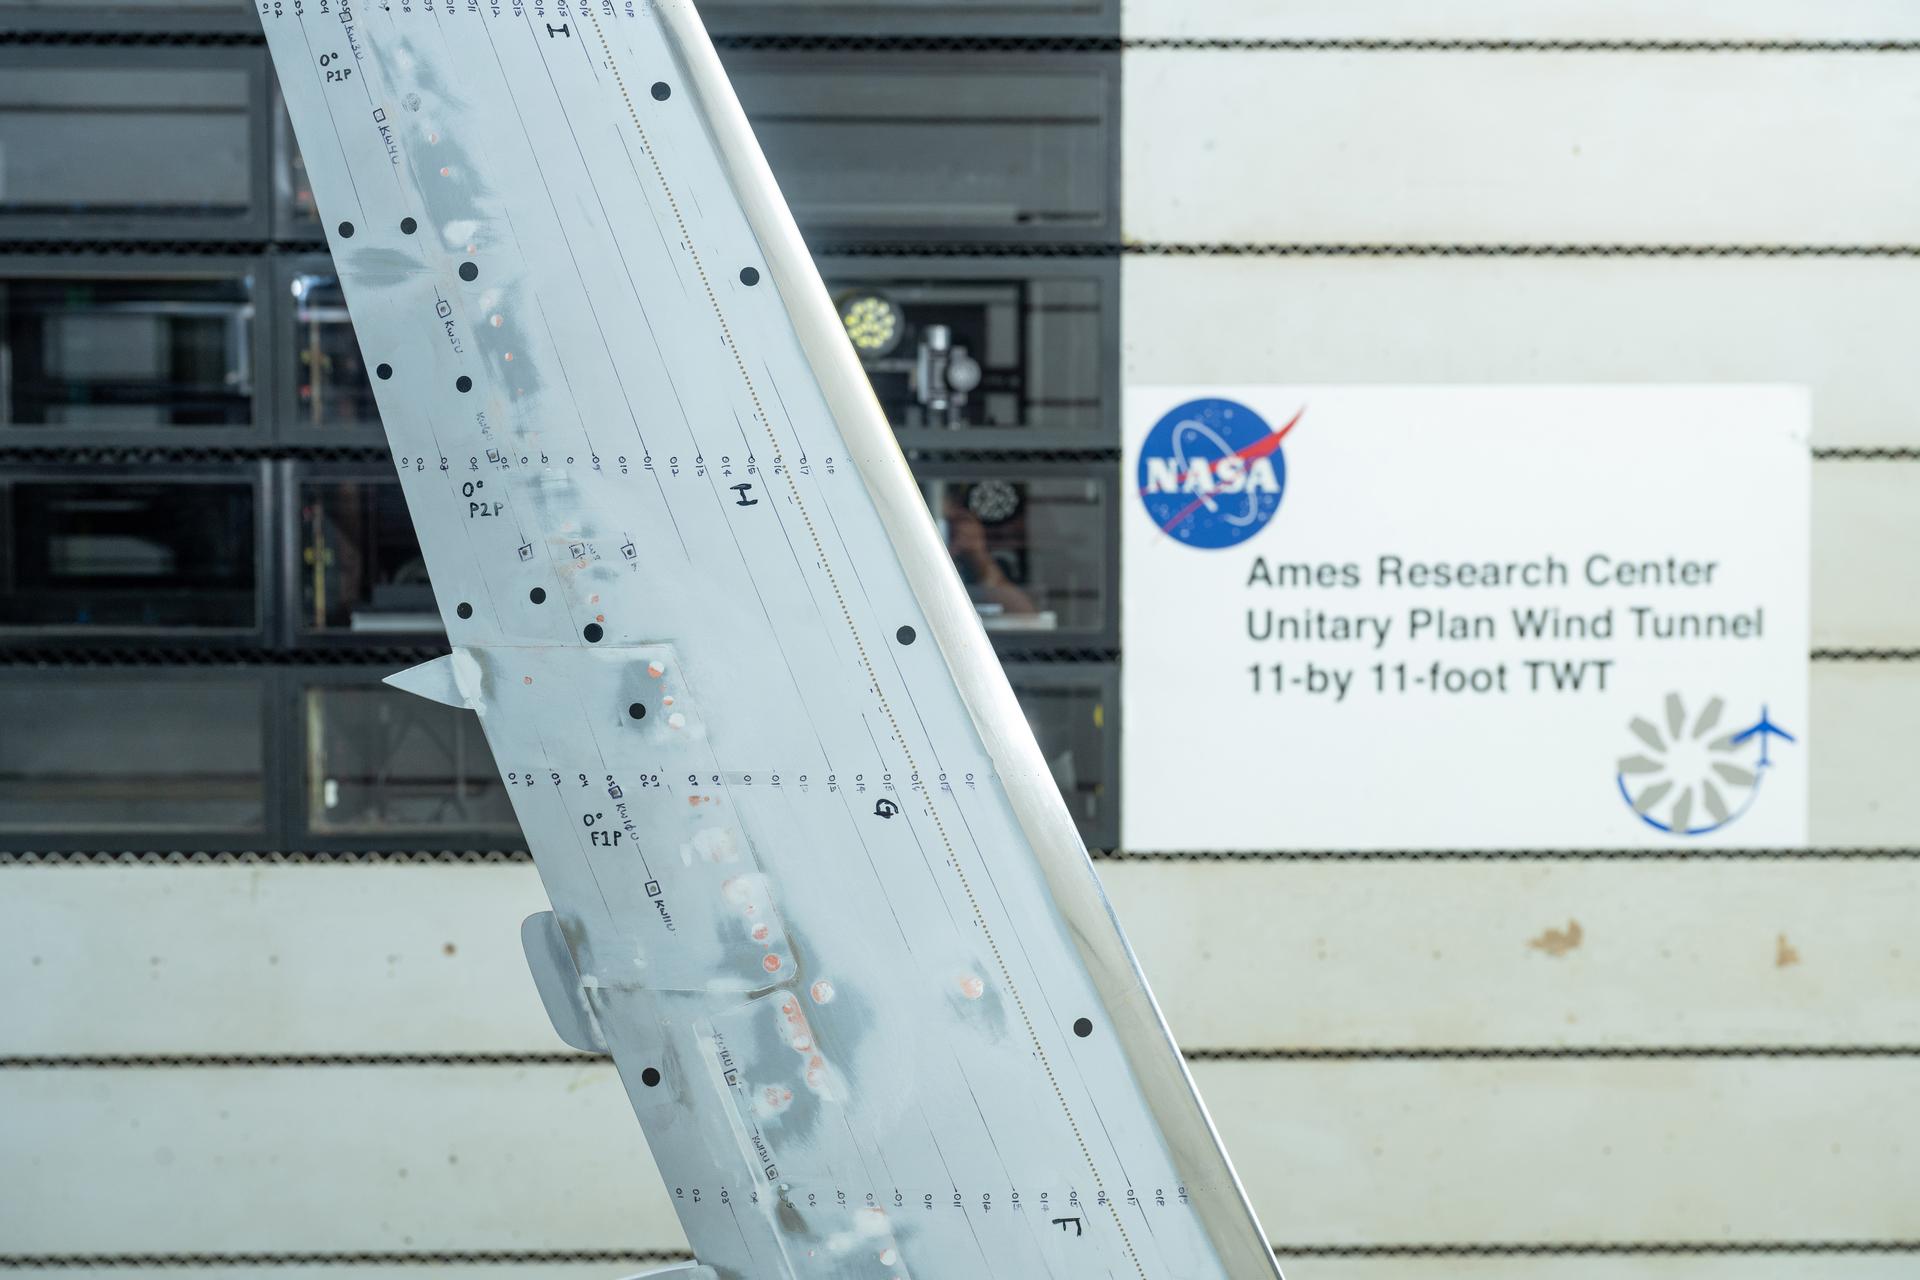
x: 1862, y: 754
x: 1361, y: 954
x: 326, y: 1159
x: 1331, y: 1153
x: 1845, y: 327
x: 332, y: 959
x: 1390, y: 954
x: 1851, y: 20
x: 1519, y: 148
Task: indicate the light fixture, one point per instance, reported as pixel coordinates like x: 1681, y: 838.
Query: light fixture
x: 874, y: 324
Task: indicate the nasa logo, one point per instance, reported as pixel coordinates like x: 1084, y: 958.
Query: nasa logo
x: 1211, y: 472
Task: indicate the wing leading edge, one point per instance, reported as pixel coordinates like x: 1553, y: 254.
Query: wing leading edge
x: 813, y: 886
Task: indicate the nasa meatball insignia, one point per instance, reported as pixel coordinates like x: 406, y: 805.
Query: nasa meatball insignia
x: 1211, y: 473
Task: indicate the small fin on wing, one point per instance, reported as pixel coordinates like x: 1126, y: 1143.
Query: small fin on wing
x: 434, y: 680
x: 559, y: 982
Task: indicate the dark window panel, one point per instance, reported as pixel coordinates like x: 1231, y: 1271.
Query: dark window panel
x: 1071, y: 712
x: 359, y: 566
x: 981, y: 350
x: 91, y: 354
x: 331, y: 389
x: 132, y: 142
x: 1032, y: 550
x: 381, y: 763
x: 96, y: 553
x: 148, y: 755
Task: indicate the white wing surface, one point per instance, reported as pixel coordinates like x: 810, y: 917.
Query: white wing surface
x: 813, y: 887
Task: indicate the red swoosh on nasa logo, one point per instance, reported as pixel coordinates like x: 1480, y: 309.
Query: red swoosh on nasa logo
x: 1258, y: 449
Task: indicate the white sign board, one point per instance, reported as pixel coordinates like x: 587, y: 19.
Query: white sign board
x: 1464, y: 617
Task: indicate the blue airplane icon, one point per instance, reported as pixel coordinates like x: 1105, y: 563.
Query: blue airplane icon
x: 1766, y: 729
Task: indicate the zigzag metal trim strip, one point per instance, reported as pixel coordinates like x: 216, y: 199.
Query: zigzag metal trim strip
x: 1519, y: 1053
x: 202, y: 1261
x: 495, y: 857
x: 1055, y: 249
x: 218, y: 36
x: 616, y: 1257
x: 85, y: 454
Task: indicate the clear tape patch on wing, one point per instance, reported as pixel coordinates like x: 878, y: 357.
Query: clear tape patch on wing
x: 789, y: 1095
x: 618, y: 756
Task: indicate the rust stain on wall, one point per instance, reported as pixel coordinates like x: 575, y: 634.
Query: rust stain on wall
x: 1557, y: 942
x: 1784, y: 953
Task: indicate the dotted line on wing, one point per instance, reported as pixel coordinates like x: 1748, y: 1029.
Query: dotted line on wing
x: 873, y: 676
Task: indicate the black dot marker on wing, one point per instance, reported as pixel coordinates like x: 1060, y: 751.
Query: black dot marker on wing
x: 463, y: 383
x: 637, y: 711
x: 408, y: 226
x: 538, y: 595
x: 465, y: 610
x: 346, y: 230
x: 469, y: 271
x: 1082, y: 1027
x: 906, y: 635
x: 593, y: 633
x: 748, y: 276
x: 660, y: 91
x: 650, y: 1077
x: 385, y: 371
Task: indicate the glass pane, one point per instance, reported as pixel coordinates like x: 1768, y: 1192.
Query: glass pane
x: 295, y: 187
x: 978, y: 353
x: 106, y: 753
x: 360, y: 565
x: 330, y: 378
x: 384, y: 762
x: 133, y: 141
x: 121, y: 553
x: 1070, y: 723
x: 1032, y: 552
x: 115, y: 353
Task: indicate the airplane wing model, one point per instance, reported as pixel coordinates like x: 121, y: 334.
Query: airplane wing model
x: 813, y: 886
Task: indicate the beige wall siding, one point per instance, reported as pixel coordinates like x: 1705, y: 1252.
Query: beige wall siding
x: 1332, y: 1153
x: 1871, y: 20
x: 1843, y: 326
x: 1235, y: 146
x: 1379, y: 954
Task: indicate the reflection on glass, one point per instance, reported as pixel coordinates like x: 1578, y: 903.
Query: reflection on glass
x: 118, y: 353
x: 384, y: 762
x: 306, y: 210
x: 138, y: 141
x: 111, y: 754
x: 1032, y: 552
x: 1070, y: 724
x: 128, y: 554
x: 360, y: 564
x: 978, y: 353
x: 331, y: 377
